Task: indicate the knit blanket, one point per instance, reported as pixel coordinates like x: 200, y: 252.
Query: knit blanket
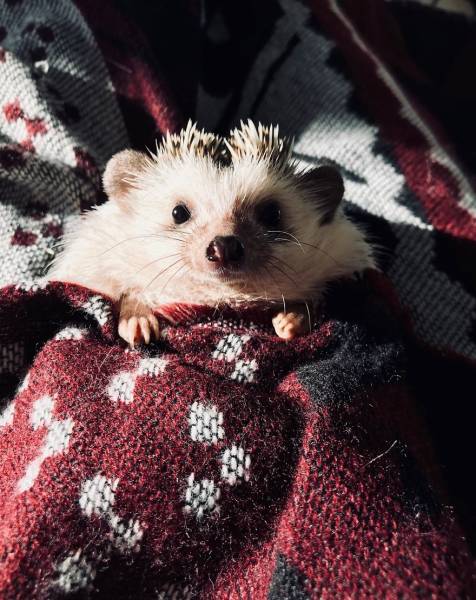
x: 220, y: 463
x: 223, y: 462
x: 321, y: 70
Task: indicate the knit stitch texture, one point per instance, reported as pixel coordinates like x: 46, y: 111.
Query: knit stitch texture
x: 222, y: 462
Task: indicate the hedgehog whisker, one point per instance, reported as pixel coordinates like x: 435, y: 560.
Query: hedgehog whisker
x: 129, y: 239
x: 284, y: 263
x: 290, y: 235
x: 319, y: 249
x: 273, y: 280
x: 301, y: 243
x: 162, y: 272
x: 284, y: 240
x: 283, y: 272
x: 169, y: 237
x: 157, y: 260
x: 178, y: 232
x: 308, y: 316
x: 173, y: 276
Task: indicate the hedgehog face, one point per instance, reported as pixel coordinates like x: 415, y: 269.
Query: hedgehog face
x: 230, y: 220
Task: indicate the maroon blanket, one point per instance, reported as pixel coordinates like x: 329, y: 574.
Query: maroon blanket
x: 224, y: 462
x: 221, y: 462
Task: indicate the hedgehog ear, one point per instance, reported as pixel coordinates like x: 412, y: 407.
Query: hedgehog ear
x: 327, y: 187
x: 118, y: 178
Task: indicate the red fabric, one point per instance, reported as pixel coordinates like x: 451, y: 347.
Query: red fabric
x: 432, y: 182
x: 139, y: 87
x: 97, y: 447
x: 330, y: 487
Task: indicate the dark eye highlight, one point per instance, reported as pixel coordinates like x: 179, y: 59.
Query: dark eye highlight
x: 180, y: 214
x: 269, y: 213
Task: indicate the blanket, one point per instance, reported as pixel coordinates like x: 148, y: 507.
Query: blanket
x: 335, y: 77
x: 221, y: 462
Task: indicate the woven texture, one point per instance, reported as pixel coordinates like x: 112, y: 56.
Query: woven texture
x: 400, y: 179
x: 222, y: 463
x: 59, y: 124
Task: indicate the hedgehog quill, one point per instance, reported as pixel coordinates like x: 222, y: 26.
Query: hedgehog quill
x: 214, y: 221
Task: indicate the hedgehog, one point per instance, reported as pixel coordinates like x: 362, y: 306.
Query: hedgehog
x: 215, y: 221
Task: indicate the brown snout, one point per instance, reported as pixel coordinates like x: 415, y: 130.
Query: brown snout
x: 226, y: 251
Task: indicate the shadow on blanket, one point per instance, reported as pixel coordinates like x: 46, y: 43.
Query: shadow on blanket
x: 221, y: 461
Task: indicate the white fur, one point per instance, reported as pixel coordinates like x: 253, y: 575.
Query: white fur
x: 122, y: 247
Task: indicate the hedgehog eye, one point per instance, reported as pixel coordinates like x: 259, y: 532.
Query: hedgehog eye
x: 269, y: 213
x: 180, y: 214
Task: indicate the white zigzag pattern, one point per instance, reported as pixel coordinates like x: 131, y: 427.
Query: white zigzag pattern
x: 121, y: 387
x: 97, y: 307
x: 98, y: 498
x: 56, y: 440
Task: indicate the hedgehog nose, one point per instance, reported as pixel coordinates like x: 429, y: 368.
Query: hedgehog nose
x: 225, y: 250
